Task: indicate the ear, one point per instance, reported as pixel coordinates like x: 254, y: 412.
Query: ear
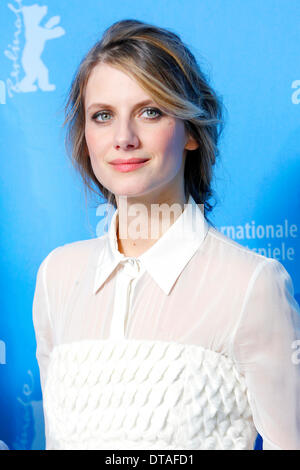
x: 191, y: 144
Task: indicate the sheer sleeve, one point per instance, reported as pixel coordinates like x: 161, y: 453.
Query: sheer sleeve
x: 42, y: 321
x: 42, y: 325
x: 264, y: 346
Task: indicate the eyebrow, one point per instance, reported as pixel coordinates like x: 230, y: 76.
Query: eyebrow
x: 105, y: 105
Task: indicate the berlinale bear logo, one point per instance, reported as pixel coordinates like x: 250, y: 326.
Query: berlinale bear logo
x: 28, y: 22
x: 36, y: 36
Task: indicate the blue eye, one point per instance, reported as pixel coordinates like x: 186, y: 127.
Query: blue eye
x: 102, y: 115
x: 155, y: 110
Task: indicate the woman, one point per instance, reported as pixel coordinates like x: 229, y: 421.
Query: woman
x: 162, y: 333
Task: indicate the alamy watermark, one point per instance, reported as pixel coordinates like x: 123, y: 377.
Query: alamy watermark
x: 141, y: 221
x: 2, y: 352
x: 296, y: 354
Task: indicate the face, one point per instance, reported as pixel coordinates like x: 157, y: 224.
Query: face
x: 123, y: 122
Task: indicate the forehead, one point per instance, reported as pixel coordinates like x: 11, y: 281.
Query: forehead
x: 110, y: 83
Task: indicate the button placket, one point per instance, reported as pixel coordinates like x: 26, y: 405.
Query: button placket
x: 122, y: 305
x: 133, y: 271
x: 132, y: 265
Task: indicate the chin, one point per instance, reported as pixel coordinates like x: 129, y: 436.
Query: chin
x: 129, y: 192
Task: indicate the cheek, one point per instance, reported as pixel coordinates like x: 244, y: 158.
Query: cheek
x: 91, y: 139
x: 169, y: 141
x: 98, y: 144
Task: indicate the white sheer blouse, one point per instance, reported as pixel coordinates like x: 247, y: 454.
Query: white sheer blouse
x: 202, y: 291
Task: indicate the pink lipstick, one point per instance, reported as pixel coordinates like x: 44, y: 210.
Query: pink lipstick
x: 129, y: 164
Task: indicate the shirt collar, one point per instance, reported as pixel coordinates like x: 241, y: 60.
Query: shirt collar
x: 166, y: 259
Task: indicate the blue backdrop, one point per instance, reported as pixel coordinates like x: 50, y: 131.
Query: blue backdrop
x: 249, y: 48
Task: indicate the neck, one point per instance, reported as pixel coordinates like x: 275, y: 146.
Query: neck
x: 140, y: 224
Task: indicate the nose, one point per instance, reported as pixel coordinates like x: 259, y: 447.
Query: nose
x: 125, y: 138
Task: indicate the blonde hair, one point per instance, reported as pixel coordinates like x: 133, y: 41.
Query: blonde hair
x: 166, y: 69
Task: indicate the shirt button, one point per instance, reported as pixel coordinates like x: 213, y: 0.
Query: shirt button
x: 133, y: 265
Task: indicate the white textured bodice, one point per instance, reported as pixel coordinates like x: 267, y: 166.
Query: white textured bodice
x: 135, y: 394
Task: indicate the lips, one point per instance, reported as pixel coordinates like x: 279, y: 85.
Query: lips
x: 120, y: 161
